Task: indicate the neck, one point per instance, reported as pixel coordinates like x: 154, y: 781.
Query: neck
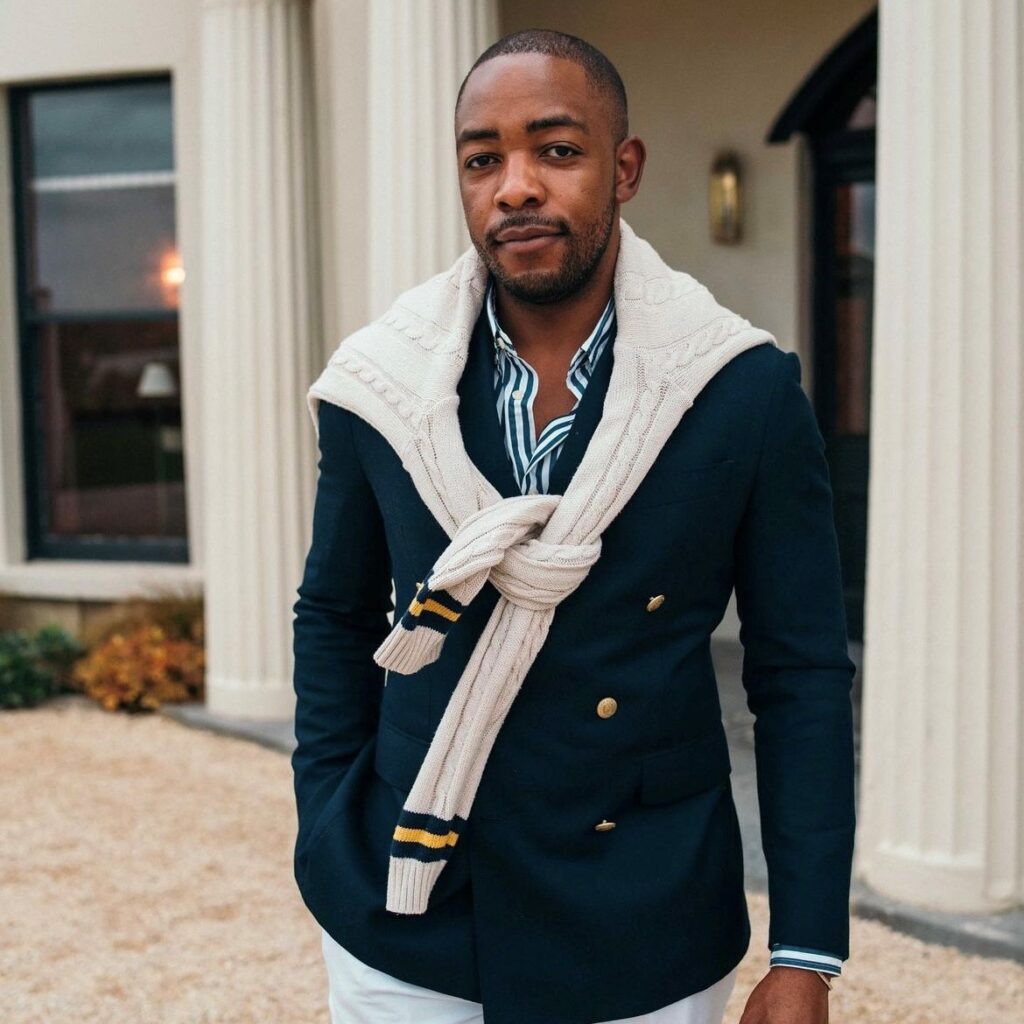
x: 554, y: 331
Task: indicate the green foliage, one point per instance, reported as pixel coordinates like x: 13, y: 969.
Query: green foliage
x: 34, y: 667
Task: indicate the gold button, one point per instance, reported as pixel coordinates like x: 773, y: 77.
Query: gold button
x: 655, y: 602
x: 604, y: 825
x: 607, y: 706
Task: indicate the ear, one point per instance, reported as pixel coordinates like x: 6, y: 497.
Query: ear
x: 629, y: 167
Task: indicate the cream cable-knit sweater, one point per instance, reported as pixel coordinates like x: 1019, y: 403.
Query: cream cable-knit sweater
x: 400, y: 373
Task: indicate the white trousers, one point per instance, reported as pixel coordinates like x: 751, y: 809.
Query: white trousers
x: 360, y: 994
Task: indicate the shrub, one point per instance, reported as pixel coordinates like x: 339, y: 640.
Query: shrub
x: 141, y: 669
x: 151, y: 654
x: 34, y: 668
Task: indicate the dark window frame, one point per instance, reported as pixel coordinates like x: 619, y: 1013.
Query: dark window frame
x: 39, y: 545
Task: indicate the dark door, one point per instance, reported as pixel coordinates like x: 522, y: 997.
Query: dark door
x: 843, y: 288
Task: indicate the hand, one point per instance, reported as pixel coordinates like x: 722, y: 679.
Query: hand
x: 787, y: 995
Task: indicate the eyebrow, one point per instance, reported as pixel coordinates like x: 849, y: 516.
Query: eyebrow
x: 538, y: 124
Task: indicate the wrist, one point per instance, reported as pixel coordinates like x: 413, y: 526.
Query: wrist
x: 824, y: 976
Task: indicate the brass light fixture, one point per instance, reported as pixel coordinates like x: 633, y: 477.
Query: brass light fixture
x: 725, y: 199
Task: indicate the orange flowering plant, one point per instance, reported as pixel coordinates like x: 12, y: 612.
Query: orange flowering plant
x: 150, y: 655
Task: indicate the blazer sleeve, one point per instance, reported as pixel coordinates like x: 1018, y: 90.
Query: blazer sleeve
x: 797, y: 675
x: 340, y: 618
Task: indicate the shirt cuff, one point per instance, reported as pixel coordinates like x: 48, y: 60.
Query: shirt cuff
x: 802, y: 956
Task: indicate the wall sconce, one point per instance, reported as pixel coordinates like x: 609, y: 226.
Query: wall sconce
x: 725, y: 199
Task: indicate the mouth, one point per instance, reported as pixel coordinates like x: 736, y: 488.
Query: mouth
x: 535, y: 243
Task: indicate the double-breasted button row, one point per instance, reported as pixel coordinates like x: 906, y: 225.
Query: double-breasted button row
x: 607, y: 706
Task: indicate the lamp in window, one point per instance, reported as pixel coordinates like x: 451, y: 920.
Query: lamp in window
x: 725, y: 199
x: 157, y: 381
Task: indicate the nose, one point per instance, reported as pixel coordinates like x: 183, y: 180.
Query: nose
x: 519, y: 184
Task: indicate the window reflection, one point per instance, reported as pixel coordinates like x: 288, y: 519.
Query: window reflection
x: 866, y: 110
x: 102, y: 128
x: 103, y: 248
x: 855, y: 274
x: 112, y: 422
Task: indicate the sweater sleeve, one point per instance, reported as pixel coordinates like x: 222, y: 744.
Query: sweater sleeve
x: 340, y: 618
x: 797, y: 675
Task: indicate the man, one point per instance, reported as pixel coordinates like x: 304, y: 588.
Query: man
x: 567, y: 846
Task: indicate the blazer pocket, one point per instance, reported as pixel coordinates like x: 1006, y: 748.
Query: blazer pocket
x: 685, y: 769
x: 665, y: 485
x: 398, y: 756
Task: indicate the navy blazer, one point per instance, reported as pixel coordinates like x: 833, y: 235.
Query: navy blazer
x: 539, y: 916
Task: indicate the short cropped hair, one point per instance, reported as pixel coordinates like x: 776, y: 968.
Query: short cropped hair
x: 599, y: 69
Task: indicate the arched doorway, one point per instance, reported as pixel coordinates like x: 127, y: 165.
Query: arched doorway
x: 835, y: 109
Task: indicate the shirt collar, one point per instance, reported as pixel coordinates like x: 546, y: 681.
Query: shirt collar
x: 502, y: 342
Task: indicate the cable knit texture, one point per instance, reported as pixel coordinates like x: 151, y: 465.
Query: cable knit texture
x: 400, y: 373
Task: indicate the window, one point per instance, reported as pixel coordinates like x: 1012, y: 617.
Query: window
x: 98, y: 282
x: 864, y: 114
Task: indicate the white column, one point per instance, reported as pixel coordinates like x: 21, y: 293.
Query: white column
x: 260, y: 340
x: 340, y: 61
x: 941, y: 817
x: 419, y: 52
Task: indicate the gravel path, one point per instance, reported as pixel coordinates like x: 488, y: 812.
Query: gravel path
x: 145, y: 878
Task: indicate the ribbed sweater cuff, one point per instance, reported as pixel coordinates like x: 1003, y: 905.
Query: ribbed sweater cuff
x: 409, y: 884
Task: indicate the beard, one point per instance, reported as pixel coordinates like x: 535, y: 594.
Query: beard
x: 583, y: 252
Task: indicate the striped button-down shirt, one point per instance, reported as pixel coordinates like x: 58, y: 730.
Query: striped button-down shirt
x: 532, y: 457
x: 515, y: 387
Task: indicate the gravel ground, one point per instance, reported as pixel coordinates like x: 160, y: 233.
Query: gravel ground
x: 145, y: 878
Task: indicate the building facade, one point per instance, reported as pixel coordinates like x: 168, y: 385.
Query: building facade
x: 201, y: 198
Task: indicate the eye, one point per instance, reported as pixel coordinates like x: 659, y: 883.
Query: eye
x: 479, y: 156
x: 571, y: 151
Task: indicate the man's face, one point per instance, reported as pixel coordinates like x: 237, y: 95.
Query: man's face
x: 535, y: 153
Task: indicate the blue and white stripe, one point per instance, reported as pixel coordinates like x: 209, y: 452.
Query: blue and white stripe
x: 802, y: 956
x: 516, y: 384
